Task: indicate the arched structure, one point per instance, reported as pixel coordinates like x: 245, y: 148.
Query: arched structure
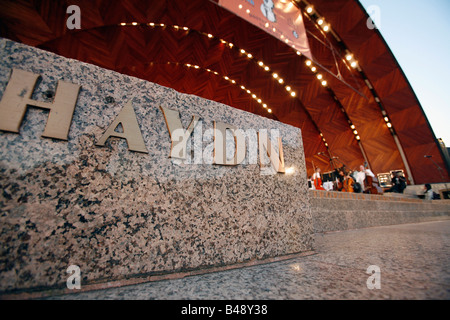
x: 365, y: 112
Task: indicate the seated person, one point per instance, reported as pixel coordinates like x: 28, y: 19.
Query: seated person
x: 340, y: 180
x: 398, y: 184
x: 429, y: 194
x: 349, y: 184
x: 360, y: 176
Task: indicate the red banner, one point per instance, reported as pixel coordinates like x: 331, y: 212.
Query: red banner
x: 280, y: 18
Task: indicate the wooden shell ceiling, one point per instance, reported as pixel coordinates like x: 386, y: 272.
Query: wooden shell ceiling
x: 199, y: 32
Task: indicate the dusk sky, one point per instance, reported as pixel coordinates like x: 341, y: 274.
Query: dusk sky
x: 418, y: 33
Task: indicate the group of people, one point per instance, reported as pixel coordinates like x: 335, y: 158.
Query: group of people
x: 351, y: 181
x: 365, y: 181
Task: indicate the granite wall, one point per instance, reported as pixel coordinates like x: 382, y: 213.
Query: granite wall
x: 119, y: 214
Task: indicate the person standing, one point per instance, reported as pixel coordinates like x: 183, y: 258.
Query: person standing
x: 360, y: 176
x: 340, y: 181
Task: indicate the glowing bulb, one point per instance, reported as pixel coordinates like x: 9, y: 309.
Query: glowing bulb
x: 280, y: 80
x: 320, y: 22
x: 264, y: 105
x: 260, y: 63
x: 355, y: 132
x: 324, y: 83
x: 242, y: 51
x: 266, y: 68
x: 210, y: 35
x: 288, y: 88
x: 275, y: 75
x: 123, y: 24
x: 249, y: 55
x: 259, y: 101
x: 134, y: 23
x: 299, y: 53
x: 352, y: 126
x: 389, y: 125
x: 326, y: 28
x: 358, y: 137
x: 313, y: 69
x: 248, y: 11
x: 308, y: 62
x: 349, y: 57
x: 231, y: 45
x: 254, y: 96
x: 293, y: 93
x: 240, y: 6
x: 386, y: 119
x: 269, y: 110
x: 309, y: 9
x: 353, y: 64
x: 319, y: 76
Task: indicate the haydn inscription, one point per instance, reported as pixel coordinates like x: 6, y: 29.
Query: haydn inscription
x: 18, y: 96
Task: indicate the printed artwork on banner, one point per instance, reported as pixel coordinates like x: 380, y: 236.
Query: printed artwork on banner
x: 282, y: 19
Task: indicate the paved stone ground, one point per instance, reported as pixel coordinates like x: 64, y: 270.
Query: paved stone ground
x: 414, y: 261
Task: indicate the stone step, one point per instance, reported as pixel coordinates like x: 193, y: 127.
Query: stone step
x: 401, y: 195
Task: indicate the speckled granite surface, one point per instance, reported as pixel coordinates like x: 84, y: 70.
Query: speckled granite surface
x: 119, y: 214
x: 413, y: 260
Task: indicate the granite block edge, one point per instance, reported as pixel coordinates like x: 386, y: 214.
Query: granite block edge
x: 42, y: 293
